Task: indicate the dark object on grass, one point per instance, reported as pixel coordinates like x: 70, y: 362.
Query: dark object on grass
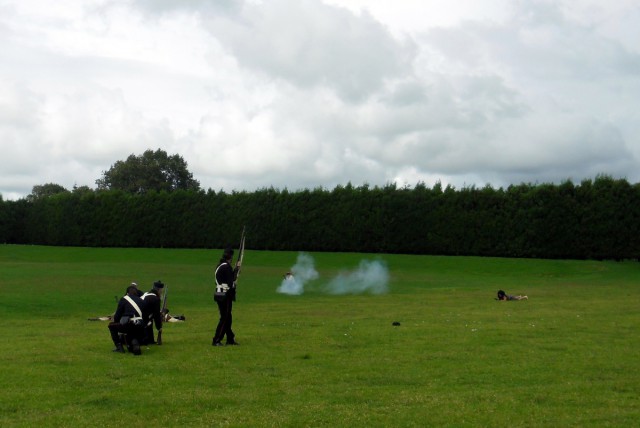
x: 504, y: 296
x: 396, y: 323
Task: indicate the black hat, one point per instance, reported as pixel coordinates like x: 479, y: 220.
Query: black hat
x: 158, y: 284
x: 228, y: 252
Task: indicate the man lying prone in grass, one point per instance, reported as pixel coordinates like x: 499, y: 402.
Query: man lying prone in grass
x: 504, y: 296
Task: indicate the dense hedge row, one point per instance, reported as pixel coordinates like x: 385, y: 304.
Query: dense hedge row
x: 596, y: 219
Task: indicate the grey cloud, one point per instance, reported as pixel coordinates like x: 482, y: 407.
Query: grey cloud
x: 409, y: 92
x: 541, y: 118
x: 20, y: 130
x: 540, y: 42
x: 307, y: 43
x: 159, y: 7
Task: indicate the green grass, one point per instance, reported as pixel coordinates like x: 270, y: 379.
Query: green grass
x: 566, y: 357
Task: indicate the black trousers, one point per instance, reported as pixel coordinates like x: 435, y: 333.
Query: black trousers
x: 226, y: 319
x: 130, y: 330
x: 148, y: 335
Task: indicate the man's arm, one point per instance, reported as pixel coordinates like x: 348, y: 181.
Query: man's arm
x: 119, y: 311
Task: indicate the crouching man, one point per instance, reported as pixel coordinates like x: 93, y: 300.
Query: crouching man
x: 153, y: 313
x: 127, y: 327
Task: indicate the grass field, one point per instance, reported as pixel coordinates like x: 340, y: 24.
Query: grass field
x: 566, y: 357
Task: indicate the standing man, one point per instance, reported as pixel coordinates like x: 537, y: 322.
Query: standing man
x: 127, y: 327
x: 153, y: 313
x: 224, y: 296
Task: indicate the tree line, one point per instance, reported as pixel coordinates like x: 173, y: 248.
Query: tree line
x: 595, y: 219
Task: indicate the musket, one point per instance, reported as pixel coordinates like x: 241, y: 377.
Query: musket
x: 163, y: 311
x: 240, y: 256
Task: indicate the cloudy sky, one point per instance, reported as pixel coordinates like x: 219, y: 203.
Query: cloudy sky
x: 315, y: 93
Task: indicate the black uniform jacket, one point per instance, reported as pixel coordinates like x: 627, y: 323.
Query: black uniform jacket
x: 226, y: 275
x: 126, y: 308
x: 152, y: 309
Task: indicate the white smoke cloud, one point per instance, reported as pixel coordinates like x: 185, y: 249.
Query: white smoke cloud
x: 370, y: 277
x: 302, y: 272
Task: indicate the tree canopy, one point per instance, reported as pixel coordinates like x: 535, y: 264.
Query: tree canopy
x: 150, y: 171
x: 45, y: 190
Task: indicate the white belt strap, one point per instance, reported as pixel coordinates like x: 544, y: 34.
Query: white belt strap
x: 135, y: 306
x: 221, y: 287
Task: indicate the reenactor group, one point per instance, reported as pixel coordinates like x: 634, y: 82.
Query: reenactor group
x: 132, y: 324
x: 135, y: 316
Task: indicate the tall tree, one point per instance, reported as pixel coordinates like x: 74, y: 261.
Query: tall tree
x: 40, y: 191
x: 149, y: 171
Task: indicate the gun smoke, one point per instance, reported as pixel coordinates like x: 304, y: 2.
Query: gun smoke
x: 303, y: 272
x: 370, y: 277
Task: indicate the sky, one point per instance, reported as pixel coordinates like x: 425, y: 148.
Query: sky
x: 305, y: 94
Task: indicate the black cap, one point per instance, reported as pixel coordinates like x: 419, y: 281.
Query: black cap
x: 228, y: 253
x: 158, y: 284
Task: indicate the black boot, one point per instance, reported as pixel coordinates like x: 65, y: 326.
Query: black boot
x: 119, y: 348
x: 135, y: 347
